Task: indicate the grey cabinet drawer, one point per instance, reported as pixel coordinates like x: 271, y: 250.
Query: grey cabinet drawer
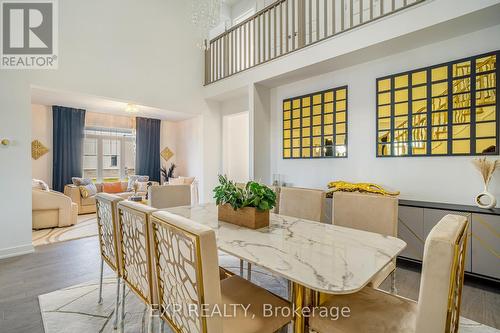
x: 433, y: 216
x: 411, y: 230
x: 486, y: 245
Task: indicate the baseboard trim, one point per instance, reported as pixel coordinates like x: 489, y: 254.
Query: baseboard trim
x: 16, y: 251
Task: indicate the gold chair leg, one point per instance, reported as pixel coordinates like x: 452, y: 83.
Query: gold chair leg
x: 394, y: 290
x: 117, y: 305
x: 151, y: 318
x: 249, y: 271
x: 124, y: 296
x: 100, y: 281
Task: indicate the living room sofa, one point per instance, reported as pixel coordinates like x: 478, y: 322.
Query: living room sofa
x: 52, y: 209
x: 88, y: 205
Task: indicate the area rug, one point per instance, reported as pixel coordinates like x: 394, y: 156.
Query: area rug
x: 85, y: 227
x: 75, y: 309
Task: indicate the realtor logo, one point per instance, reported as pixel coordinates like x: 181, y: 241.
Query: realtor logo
x: 29, y: 34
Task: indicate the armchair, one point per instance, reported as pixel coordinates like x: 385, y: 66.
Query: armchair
x: 52, y: 209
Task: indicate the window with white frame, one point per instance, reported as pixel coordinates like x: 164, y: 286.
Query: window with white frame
x: 108, y: 154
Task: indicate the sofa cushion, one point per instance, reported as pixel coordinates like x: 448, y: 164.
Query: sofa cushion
x: 40, y: 184
x: 135, y: 178
x: 115, y: 187
x: 90, y: 201
x: 88, y: 190
x: 78, y: 181
x: 176, y: 181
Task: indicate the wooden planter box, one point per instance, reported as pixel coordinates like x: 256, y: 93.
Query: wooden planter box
x: 248, y: 217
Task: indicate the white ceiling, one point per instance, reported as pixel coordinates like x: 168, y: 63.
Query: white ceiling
x: 98, y: 104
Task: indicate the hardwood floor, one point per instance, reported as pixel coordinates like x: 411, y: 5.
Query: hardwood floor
x: 50, y: 268
x: 61, y: 265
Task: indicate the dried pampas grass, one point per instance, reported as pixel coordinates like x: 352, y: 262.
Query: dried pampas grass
x: 486, y: 168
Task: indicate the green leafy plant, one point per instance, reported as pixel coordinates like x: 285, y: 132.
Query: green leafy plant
x: 252, y: 195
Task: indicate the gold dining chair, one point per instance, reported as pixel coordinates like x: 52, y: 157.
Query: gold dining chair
x: 107, y: 226
x: 135, y: 249
x: 369, y: 212
x: 438, y: 306
x: 186, y: 272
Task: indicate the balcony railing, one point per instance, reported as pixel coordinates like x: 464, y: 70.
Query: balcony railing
x: 286, y: 26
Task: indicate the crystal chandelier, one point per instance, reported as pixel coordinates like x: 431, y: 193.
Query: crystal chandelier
x: 205, y: 15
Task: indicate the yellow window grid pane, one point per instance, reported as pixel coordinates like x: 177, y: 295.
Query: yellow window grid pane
x: 384, y: 85
x: 461, y: 69
x: 440, y: 73
x: 460, y: 147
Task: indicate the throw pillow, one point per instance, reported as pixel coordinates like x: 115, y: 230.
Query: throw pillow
x: 176, y: 181
x: 135, y: 178
x: 143, y: 186
x: 78, y: 181
x: 115, y: 187
x: 88, y: 190
x: 188, y: 180
x: 40, y: 184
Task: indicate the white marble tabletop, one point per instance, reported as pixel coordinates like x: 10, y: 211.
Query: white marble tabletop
x: 322, y: 257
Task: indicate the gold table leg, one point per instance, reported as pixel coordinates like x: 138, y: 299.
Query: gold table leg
x: 303, y: 297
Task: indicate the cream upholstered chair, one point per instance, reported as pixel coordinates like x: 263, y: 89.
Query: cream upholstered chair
x: 51, y: 209
x: 302, y: 203
x: 167, y: 196
x: 135, y: 249
x: 187, y: 274
x: 369, y: 212
x: 107, y: 226
x: 438, y: 306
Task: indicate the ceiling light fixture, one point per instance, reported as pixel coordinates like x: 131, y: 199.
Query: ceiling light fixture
x: 131, y: 108
x: 205, y: 15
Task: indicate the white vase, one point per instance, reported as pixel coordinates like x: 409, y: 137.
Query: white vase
x: 491, y: 201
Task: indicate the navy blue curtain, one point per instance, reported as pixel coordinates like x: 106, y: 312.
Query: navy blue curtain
x: 68, y: 132
x: 147, y: 155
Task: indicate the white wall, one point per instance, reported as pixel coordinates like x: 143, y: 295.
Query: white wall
x: 15, y: 166
x: 235, y: 145
x: 168, y: 138
x: 440, y: 179
x: 188, y: 148
x: 41, y: 130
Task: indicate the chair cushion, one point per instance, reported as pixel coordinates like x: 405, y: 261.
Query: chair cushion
x: 371, y: 311
x: 236, y: 290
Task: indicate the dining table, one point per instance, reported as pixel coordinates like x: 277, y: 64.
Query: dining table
x: 319, y: 259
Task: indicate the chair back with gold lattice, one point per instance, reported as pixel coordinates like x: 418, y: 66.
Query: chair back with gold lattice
x: 135, y: 248
x: 107, y: 226
x: 187, y: 272
x: 443, y: 276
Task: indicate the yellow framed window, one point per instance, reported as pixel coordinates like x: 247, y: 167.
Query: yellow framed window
x: 315, y: 125
x: 447, y: 109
